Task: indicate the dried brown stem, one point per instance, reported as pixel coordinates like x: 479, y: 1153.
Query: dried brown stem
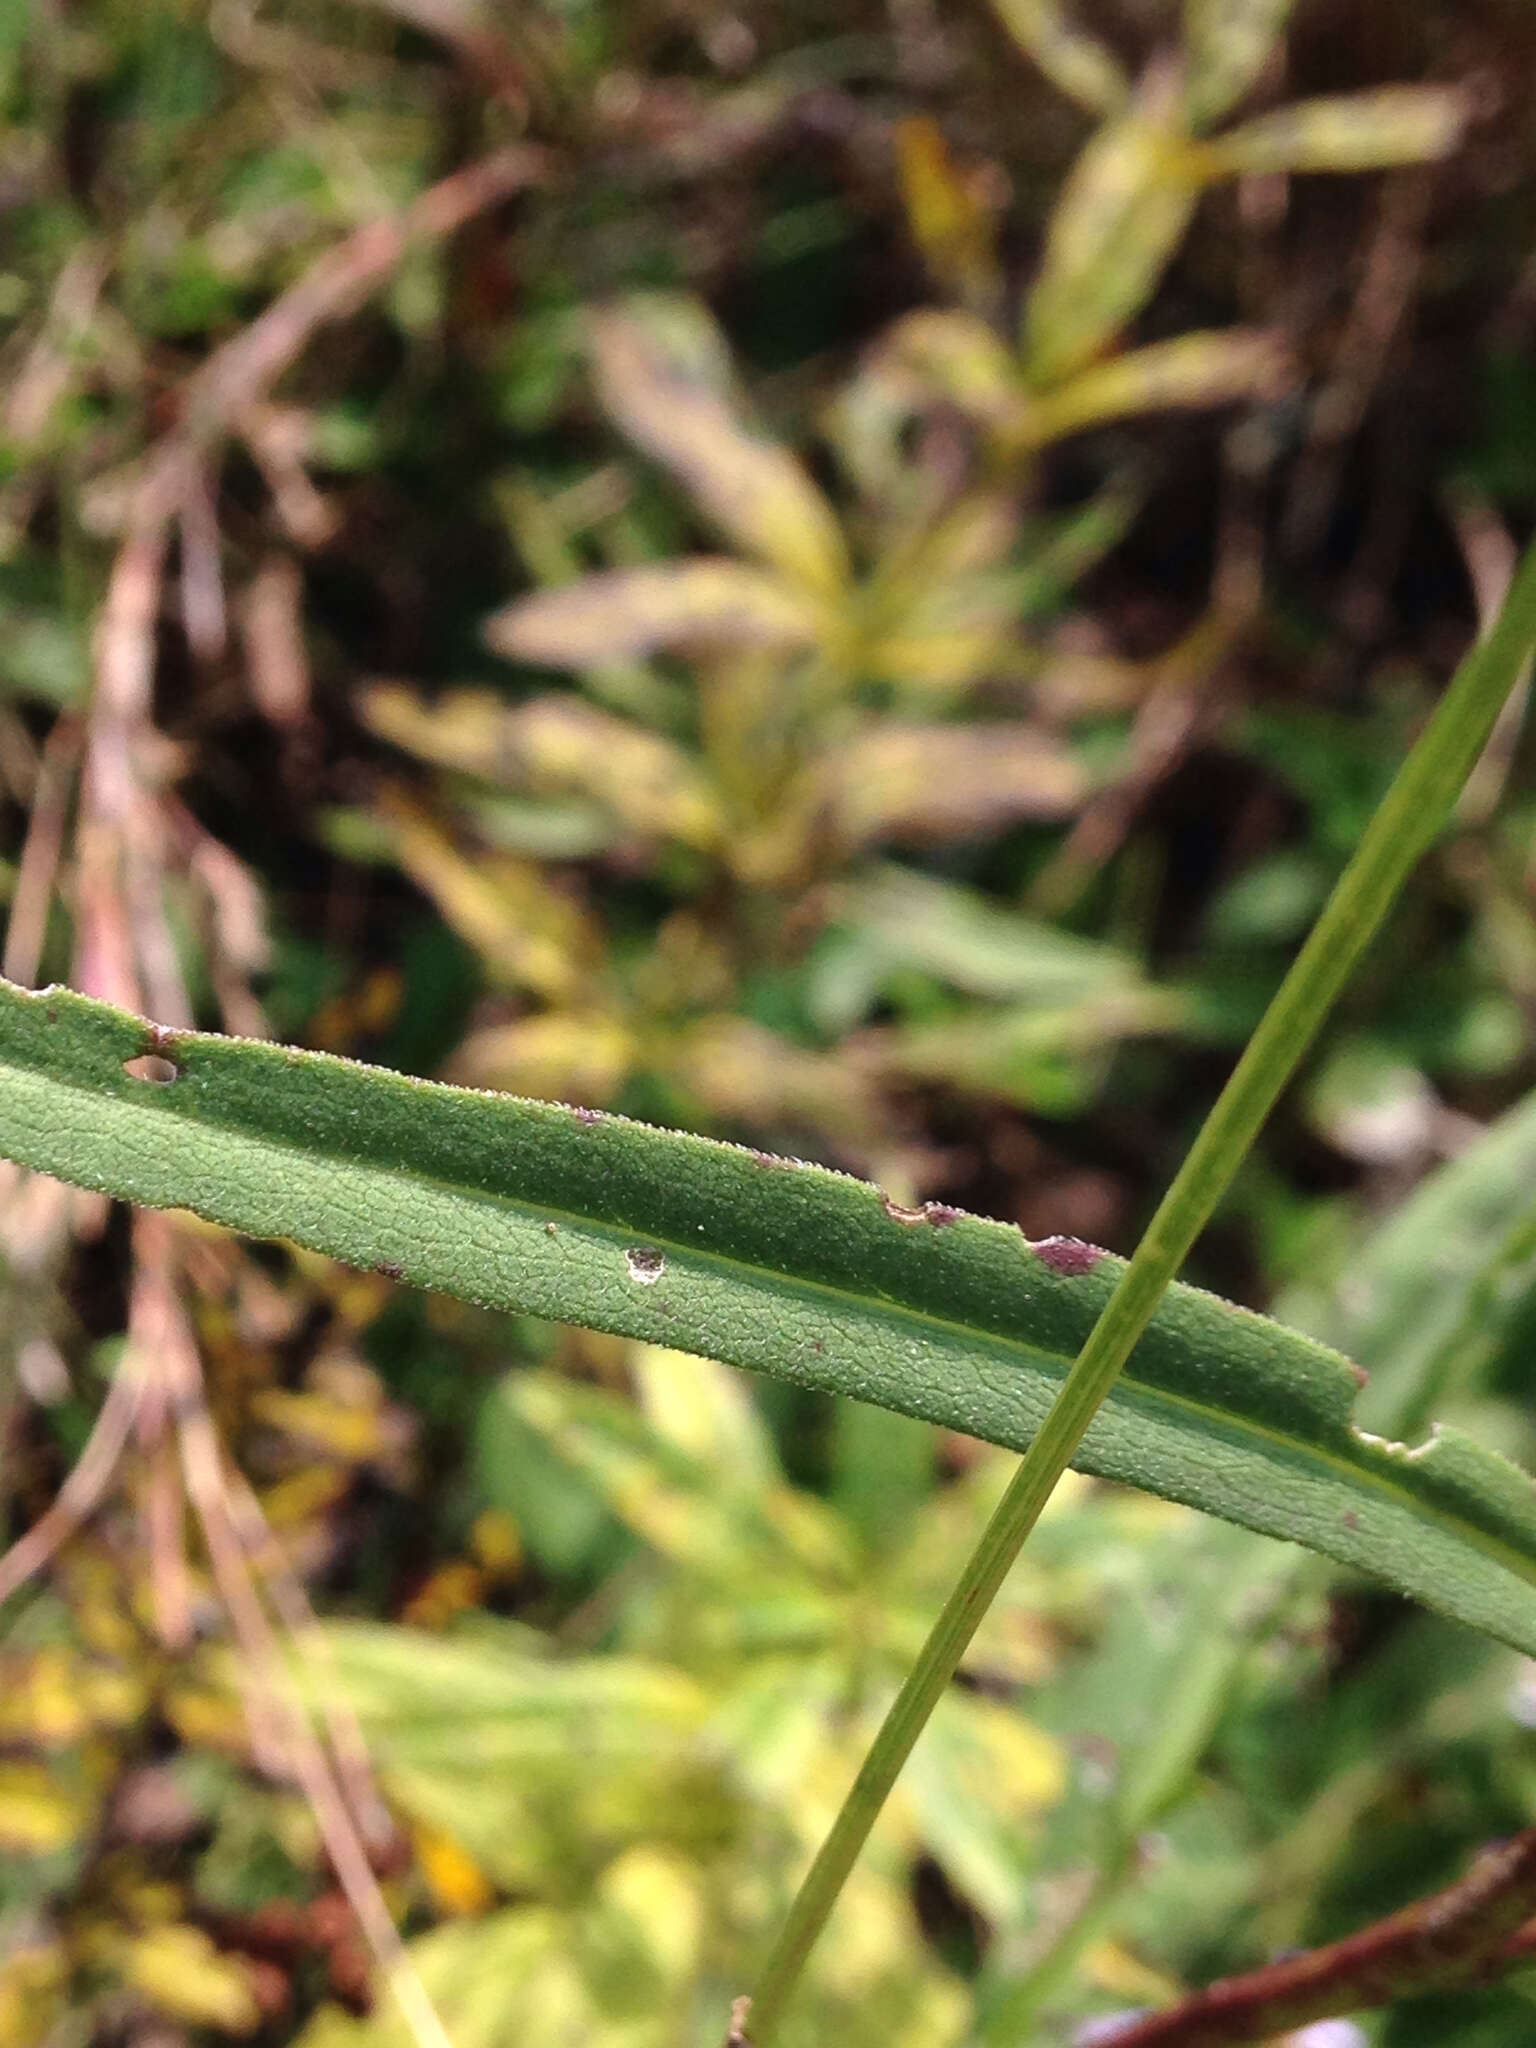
x: 204, y: 615
x: 1162, y: 733
x: 1490, y: 555
x: 1476, y: 1929
x: 124, y: 949
x: 113, y: 803
x: 81, y: 1493
x: 280, y: 1710
x: 28, y: 922
x: 165, y: 1541
x: 286, y: 1591
x: 240, y: 374
x: 1380, y: 307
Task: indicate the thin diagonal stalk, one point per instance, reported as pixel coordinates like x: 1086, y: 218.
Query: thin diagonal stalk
x: 1402, y: 829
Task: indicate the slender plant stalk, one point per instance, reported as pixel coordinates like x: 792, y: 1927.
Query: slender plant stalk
x: 1402, y: 829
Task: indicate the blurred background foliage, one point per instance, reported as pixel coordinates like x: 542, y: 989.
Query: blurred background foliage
x: 843, y: 578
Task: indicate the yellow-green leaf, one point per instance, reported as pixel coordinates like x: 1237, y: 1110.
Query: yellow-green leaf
x: 1227, y: 44
x: 754, y: 491
x: 703, y: 1518
x: 1076, y: 63
x: 1194, y: 370
x: 941, y: 782
x: 178, y: 1969
x: 1125, y: 207
x: 942, y: 606
x: 649, y: 784
x: 951, y: 222
x: 743, y: 1073
x: 948, y: 639
x: 950, y: 356
x: 39, y: 1811
x: 703, y: 602
x: 978, y: 1777
x: 1366, y: 131
x: 462, y: 729
x: 529, y: 934
x: 561, y: 1055
x: 553, y: 744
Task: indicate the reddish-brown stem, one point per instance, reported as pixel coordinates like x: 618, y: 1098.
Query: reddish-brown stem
x: 239, y: 374
x: 1476, y: 1929
x: 41, y: 851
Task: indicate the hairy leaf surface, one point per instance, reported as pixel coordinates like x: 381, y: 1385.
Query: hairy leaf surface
x: 789, y: 1269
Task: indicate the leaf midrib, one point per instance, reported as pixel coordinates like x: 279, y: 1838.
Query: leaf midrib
x: 1133, y: 1390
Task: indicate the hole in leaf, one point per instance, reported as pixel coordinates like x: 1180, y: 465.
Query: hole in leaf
x: 151, y: 1067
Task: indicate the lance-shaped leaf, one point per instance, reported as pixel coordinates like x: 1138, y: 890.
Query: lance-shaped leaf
x: 701, y: 602
x: 785, y: 1268
x: 1366, y: 131
x: 657, y: 376
x: 1227, y: 43
x: 952, y: 356
x: 1075, y: 62
x: 964, y: 938
x: 529, y: 935
x: 948, y: 781
x: 952, y: 223
x: 1194, y: 370
x: 1435, y: 1287
x: 559, y: 744
x: 1120, y: 218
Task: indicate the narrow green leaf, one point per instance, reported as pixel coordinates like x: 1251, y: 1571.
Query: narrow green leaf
x: 557, y: 744
x: 1401, y: 830
x: 1120, y: 217
x: 703, y: 600
x: 660, y: 366
x: 1194, y: 370
x: 1365, y: 131
x: 1076, y: 63
x: 786, y: 1268
x: 1227, y: 43
x: 1432, y: 1291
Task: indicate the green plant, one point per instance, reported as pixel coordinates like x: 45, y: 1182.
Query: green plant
x: 857, y: 669
x: 860, y: 839
x: 566, y: 1212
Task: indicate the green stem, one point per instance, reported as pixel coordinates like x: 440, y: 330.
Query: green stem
x: 1402, y: 829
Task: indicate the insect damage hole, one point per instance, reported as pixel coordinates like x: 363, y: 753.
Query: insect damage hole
x: 152, y: 1067
x: 645, y: 1265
